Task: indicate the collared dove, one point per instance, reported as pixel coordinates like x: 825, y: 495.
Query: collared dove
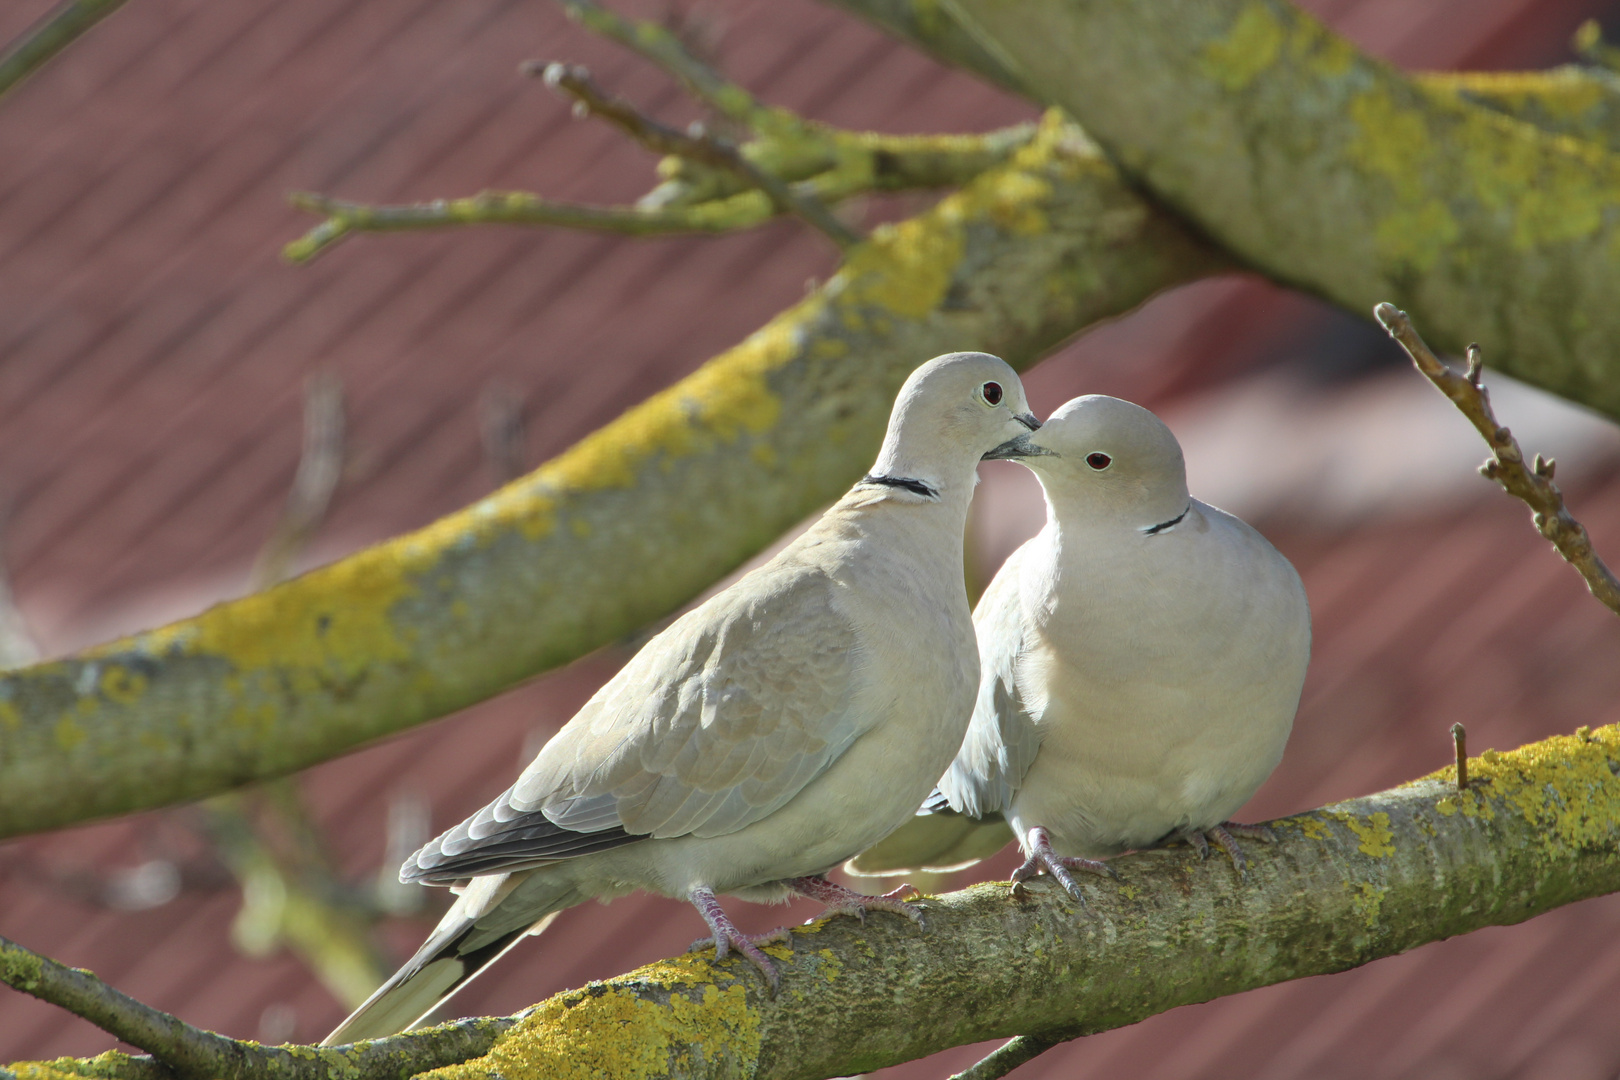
x: 777, y: 729
x: 1141, y: 660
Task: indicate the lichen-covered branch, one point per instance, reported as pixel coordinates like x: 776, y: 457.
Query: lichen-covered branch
x: 622, y: 528
x: 1537, y: 828
x: 294, y: 897
x: 519, y: 208
x: 182, y: 1052
x: 789, y: 165
x: 1328, y: 169
x: 62, y: 26
x: 1531, y: 485
x: 697, y: 146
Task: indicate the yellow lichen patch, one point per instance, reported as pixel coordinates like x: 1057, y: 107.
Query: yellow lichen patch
x: 1367, y: 900
x: 608, y: 1030
x: 121, y: 685
x: 723, y: 399
x: 1312, y: 827
x: 10, y: 718
x: 335, y: 621
x: 1248, y: 49
x: 1375, y: 835
x: 1565, y: 786
x: 1443, y: 154
x: 905, y: 268
x: 1563, y: 93
x: 1322, y: 52
x: 63, y: 1068
x: 68, y: 733
x: 1395, y: 144
x: 830, y: 967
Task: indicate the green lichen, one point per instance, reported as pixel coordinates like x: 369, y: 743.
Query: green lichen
x: 1311, y: 826
x: 1367, y: 899
x: 617, y: 1030
x: 1444, y: 158
x: 1248, y: 49
x: 1565, y: 786
x: 1377, y: 839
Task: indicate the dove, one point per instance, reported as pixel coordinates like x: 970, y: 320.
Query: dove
x: 763, y: 738
x: 1141, y: 660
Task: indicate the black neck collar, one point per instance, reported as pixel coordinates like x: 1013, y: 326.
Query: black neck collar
x: 1163, y: 525
x: 916, y: 487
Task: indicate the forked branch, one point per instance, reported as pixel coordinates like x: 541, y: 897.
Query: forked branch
x: 61, y: 27
x: 190, y: 1053
x: 698, y: 146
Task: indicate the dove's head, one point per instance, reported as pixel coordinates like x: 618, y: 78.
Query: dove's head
x: 952, y: 412
x: 1100, y: 453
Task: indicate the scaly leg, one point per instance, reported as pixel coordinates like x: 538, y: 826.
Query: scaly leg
x: 727, y: 937
x: 842, y: 901
x: 1224, y: 837
x: 1043, y: 858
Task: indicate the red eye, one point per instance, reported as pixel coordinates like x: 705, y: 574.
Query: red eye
x: 992, y: 392
x: 1099, y: 461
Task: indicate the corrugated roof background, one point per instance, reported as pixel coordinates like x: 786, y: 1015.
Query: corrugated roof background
x: 153, y: 349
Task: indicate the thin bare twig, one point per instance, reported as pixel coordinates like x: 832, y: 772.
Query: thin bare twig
x: 18, y: 646
x: 320, y: 467
x: 659, y: 45
x: 1533, y: 485
x: 516, y: 208
x: 61, y: 27
x: 1006, y: 1057
x: 1459, y: 741
x: 501, y: 420
x: 1589, y: 45
x: 694, y: 146
x: 195, y: 1054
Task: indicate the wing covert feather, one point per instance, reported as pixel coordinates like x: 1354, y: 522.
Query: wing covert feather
x: 717, y: 723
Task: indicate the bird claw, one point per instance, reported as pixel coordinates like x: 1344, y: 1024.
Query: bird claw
x: 726, y: 936
x: 1223, y: 836
x: 1043, y: 859
x: 1263, y: 833
x: 842, y: 901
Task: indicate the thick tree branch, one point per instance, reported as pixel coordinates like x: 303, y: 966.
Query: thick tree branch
x: 1473, y: 221
x: 61, y: 27
x: 1324, y: 168
x: 1531, y: 485
x: 187, y: 1053
x: 1539, y: 827
x: 621, y: 529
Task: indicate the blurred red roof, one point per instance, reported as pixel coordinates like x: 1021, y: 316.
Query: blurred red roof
x: 154, y: 347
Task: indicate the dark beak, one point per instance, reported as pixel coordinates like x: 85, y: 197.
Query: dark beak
x: 1028, y: 420
x: 1020, y: 447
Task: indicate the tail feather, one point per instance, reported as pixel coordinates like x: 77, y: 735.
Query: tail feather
x: 939, y: 841
x: 441, y: 967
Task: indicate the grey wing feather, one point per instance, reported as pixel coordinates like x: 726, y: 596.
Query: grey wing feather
x: 717, y: 723
x: 1002, y: 738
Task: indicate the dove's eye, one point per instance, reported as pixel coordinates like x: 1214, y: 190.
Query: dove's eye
x: 991, y: 392
x: 1099, y: 461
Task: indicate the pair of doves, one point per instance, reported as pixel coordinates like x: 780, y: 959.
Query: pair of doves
x: 1129, y: 677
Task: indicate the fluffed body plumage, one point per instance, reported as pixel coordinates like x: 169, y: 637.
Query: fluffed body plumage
x: 769, y: 734
x: 1141, y: 661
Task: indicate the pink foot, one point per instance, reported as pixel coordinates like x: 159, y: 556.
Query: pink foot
x: 842, y: 901
x: 1043, y: 859
x: 727, y: 937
